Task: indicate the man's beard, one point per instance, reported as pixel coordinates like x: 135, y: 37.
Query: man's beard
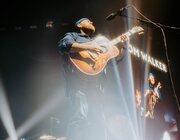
x: 89, y: 31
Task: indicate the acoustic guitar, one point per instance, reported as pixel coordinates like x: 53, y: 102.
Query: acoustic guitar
x: 92, y: 63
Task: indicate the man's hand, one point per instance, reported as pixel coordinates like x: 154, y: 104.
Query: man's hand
x: 124, y: 38
x: 95, y: 47
x: 91, y: 46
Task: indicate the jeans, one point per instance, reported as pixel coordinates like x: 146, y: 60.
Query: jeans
x: 87, y: 116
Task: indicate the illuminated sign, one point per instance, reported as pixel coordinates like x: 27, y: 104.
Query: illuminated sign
x: 147, y: 58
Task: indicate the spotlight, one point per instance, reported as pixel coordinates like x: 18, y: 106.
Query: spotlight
x: 33, y: 27
x: 166, y: 136
x: 49, y: 24
x: 18, y: 28
x: 171, y: 136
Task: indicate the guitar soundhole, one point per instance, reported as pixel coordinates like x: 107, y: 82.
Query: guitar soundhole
x: 104, y: 49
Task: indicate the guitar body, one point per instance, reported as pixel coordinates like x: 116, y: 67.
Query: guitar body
x: 92, y: 63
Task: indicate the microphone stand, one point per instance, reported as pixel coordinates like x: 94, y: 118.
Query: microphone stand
x: 167, y: 56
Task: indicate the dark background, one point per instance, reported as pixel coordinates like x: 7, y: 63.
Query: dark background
x: 28, y: 54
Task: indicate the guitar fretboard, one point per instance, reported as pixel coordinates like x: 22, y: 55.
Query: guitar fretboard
x: 118, y: 39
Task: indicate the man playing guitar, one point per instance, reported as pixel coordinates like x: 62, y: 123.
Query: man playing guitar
x: 81, y: 53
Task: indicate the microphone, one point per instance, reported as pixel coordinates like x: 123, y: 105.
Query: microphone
x: 113, y: 15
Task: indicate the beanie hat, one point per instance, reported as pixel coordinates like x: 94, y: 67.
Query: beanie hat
x: 80, y: 20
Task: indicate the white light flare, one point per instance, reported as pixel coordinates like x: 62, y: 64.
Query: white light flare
x: 166, y: 136
x: 5, y: 114
x: 40, y: 113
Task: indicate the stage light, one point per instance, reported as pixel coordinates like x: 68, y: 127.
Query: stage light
x: 49, y: 24
x: 41, y: 113
x: 5, y: 114
x: 166, y: 136
x: 33, y: 27
x: 18, y: 28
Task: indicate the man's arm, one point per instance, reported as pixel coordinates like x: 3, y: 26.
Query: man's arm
x: 76, y: 47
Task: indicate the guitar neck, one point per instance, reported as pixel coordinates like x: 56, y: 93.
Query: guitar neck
x: 118, y: 39
x: 134, y: 30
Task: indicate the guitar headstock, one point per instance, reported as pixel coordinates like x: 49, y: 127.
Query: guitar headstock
x: 137, y: 29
